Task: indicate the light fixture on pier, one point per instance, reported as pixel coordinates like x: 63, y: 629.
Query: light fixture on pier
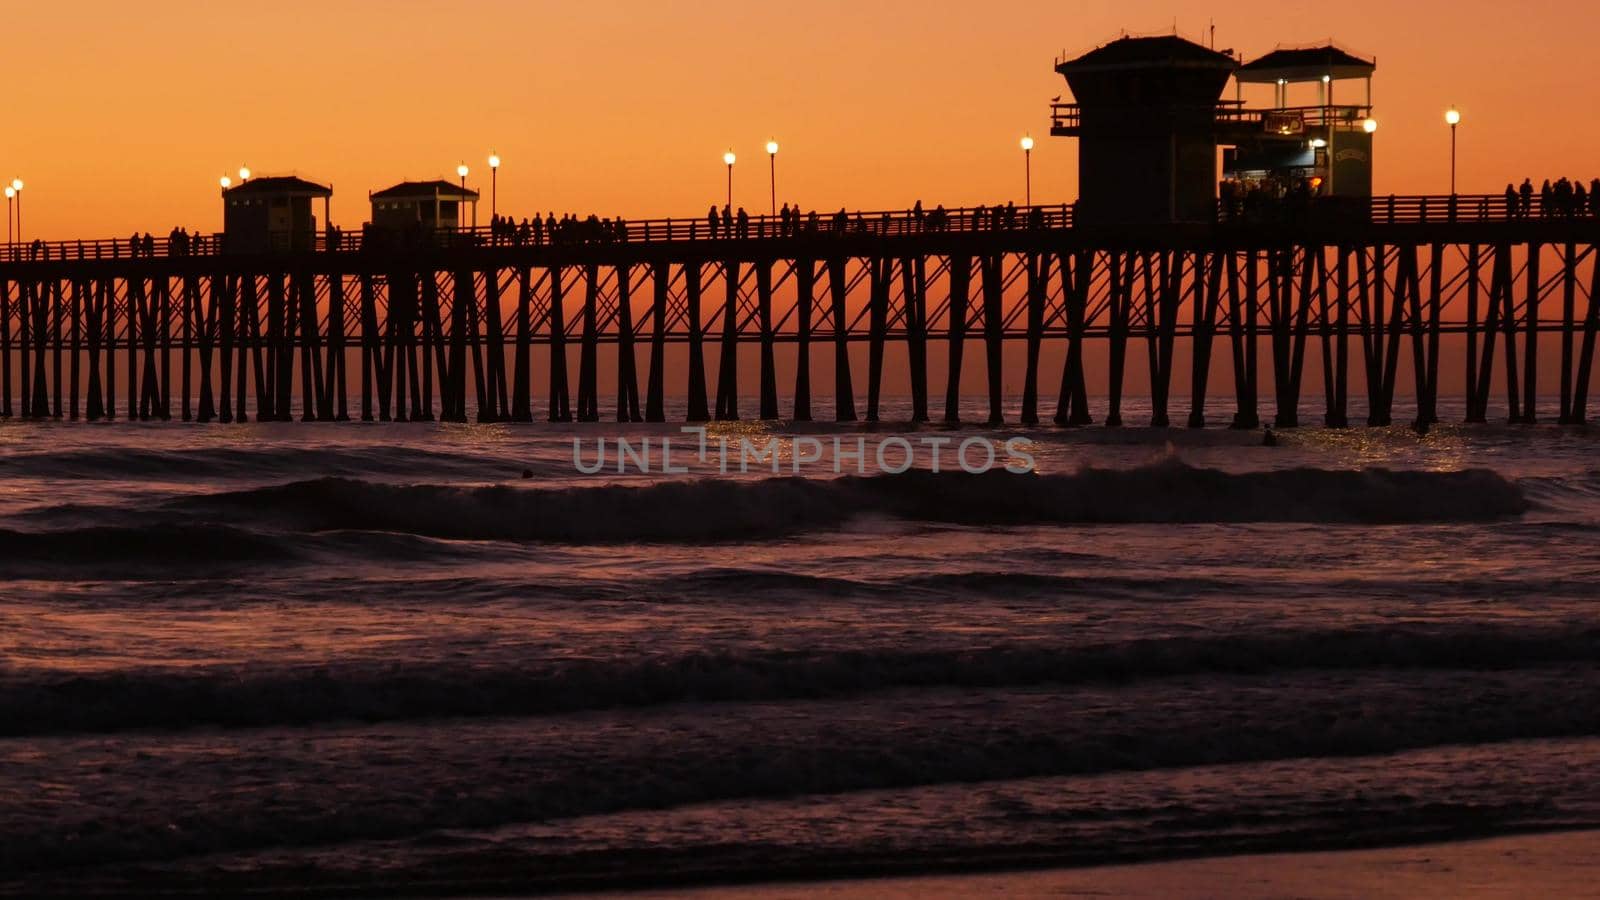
x: 16, y: 191
x: 729, y: 158
x: 1369, y: 126
x: 1318, y: 143
x: 226, y: 182
x: 11, y: 194
x: 244, y: 173
x: 772, y: 169
x: 1027, y: 169
x: 1452, y: 117
x: 494, y: 183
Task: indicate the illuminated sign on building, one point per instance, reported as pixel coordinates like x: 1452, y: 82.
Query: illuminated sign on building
x: 1281, y: 122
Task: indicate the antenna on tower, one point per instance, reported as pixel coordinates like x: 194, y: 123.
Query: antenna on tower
x: 1213, y: 34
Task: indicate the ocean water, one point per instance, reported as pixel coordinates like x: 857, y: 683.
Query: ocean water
x: 438, y: 659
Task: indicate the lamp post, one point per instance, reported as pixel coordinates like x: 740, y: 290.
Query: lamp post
x: 244, y: 174
x: 494, y: 184
x: 772, y: 160
x: 11, y: 194
x: 729, y: 158
x: 461, y: 171
x: 1027, y: 169
x: 16, y: 186
x: 1452, y: 118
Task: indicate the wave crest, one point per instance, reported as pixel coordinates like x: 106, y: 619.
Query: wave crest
x: 722, y: 509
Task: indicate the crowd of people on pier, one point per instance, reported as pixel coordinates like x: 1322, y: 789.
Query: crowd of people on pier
x: 1563, y: 199
x: 736, y: 223
x: 1266, y: 198
x: 569, y: 229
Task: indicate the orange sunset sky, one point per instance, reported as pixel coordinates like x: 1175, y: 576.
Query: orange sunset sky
x: 122, y: 116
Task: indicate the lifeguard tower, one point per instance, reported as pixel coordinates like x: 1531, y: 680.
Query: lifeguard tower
x: 261, y: 215
x: 1145, y: 116
x: 1150, y: 118
x: 422, y: 205
x: 1322, y: 149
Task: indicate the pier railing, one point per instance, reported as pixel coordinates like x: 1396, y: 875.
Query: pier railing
x: 889, y: 223
x: 1235, y: 118
x: 1245, y: 210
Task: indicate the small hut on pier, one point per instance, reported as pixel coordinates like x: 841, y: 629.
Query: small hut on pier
x: 422, y: 205
x: 272, y: 214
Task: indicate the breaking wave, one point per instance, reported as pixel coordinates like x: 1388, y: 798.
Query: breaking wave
x: 722, y: 509
x: 56, y: 702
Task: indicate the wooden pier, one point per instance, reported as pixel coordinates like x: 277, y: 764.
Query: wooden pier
x: 374, y: 329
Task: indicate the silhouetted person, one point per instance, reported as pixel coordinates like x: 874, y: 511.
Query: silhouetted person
x: 1580, y: 199
x: 917, y: 215
x: 1527, y: 197
x: 1563, y: 195
x: 744, y: 224
x: 1547, y: 197
x: 713, y: 221
x: 978, y: 218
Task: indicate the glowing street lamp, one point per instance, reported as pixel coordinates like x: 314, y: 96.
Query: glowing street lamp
x: 729, y: 158
x: 244, y: 174
x: 1452, y: 118
x: 16, y: 188
x: 461, y: 171
x: 772, y: 159
x: 226, y: 182
x: 1027, y: 169
x: 1369, y: 126
x: 494, y: 183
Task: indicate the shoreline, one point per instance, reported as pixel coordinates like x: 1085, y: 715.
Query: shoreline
x: 1557, y: 863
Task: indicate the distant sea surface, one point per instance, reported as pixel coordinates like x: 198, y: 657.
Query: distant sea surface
x: 436, y: 659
